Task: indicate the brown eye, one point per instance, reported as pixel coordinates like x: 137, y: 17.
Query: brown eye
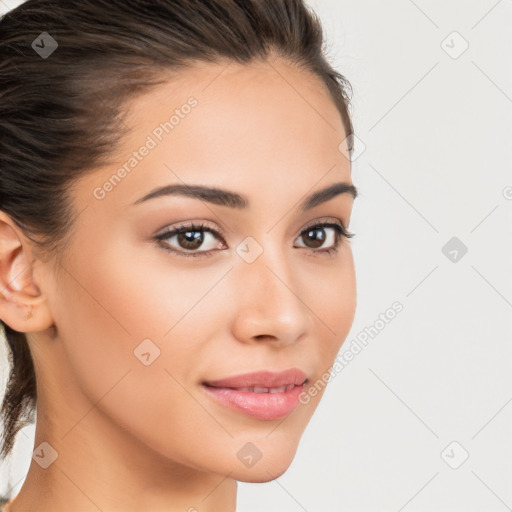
x: 189, y: 239
x: 328, y: 233
x: 315, y: 237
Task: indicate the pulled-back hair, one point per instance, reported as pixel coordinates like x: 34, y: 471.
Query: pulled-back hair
x: 61, y: 113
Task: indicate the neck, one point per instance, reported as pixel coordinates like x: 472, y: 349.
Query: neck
x: 101, y: 467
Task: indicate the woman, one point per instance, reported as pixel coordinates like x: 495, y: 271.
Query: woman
x: 176, y: 273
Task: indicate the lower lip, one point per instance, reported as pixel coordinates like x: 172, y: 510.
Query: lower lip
x: 264, y: 406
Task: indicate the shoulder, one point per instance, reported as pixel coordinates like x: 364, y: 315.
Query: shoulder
x: 5, y: 504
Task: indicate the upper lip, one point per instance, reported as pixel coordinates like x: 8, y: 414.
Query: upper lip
x: 264, y: 379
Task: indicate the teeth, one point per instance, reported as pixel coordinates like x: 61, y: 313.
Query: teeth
x: 257, y: 389
x: 278, y: 390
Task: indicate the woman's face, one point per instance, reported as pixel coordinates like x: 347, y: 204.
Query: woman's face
x: 145, y: 320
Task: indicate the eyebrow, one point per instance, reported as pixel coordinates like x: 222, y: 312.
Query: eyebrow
x: 230, y: 199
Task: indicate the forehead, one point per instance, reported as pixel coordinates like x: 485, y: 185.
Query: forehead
x: 263, y: 122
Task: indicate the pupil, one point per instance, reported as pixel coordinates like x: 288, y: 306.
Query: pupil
x: 191, y: 239
x: 317, y: 240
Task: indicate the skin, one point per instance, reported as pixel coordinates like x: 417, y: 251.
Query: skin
x: 133, y: 437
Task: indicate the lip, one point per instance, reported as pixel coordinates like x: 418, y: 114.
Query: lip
x: 261, y: 403
x: 264, y: 379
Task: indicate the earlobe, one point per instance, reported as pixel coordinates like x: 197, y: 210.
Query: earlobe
x: 23, y: 306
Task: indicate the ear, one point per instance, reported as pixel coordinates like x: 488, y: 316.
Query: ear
x: 22, y: 305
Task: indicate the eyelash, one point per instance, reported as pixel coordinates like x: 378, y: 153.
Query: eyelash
x: 341, y: 232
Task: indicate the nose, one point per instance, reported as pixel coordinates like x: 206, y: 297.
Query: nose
x: 271, y: 302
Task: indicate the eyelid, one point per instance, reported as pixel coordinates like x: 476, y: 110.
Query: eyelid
x: 190, y: 225
x: 171, y: 231
x: 327, y: 220
x: 222, y: 231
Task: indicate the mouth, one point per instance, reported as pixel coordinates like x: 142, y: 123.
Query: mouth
x: 261, y: 395
x: 256, y: 389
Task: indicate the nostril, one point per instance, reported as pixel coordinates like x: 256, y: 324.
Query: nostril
x: 263, y: 337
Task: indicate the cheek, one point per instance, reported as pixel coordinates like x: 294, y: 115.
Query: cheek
x: 113, y: 306
x: 335, y: 305
x: 112, y: 303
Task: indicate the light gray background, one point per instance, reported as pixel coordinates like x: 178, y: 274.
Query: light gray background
x: 436, y: 130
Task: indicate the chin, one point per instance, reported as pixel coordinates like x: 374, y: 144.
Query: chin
x: 261, y: 475
x: 266, y: 469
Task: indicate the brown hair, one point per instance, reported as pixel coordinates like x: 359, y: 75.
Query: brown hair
x: 61, y: 113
